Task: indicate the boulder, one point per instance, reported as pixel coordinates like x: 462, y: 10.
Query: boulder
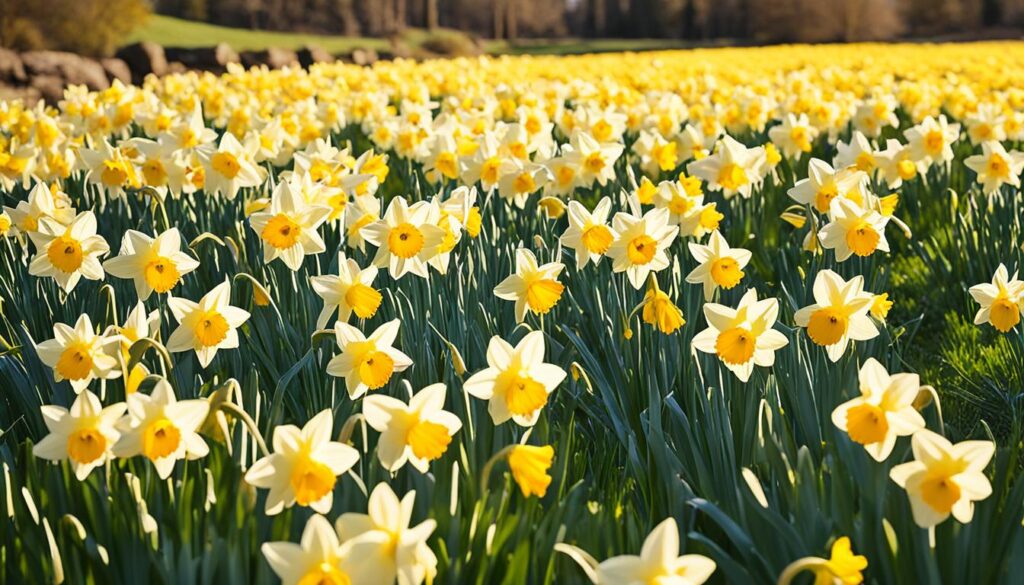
x: 116, y: 69
x: 49, y: 87
x: 364, y: 56
x: 28, y: 95
x: 71, y: 68
x: 312, y: 54
x: 274, y: 58
x: 213, y: 59
x: 12, y: 70
x: 144, y: 58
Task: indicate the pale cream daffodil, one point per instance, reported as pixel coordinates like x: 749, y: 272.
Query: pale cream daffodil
x: 367, y: 363
x: 418, y: 432
x: 84, y: 435
x: 154, y: 264
x: 206, y: 326
x: 742, y: 337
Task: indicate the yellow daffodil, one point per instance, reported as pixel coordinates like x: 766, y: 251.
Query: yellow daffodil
x: 944, y: 478
x: 406, y: 237
x: 641, y: 243
x: 162, y: 428
x: 533, y: 286
x: 1001, y: 301
x: 854, y: 230
x: 588, y: 233
x: 206, y: 326
x: 154, y: 264
x: 719, y: 266
x: 319, y: 558
x: 883, y: 412
x: 304, y: 467
x: 77, y: 354
x: 996, y: 167
x: 68, y: 253
x: 289, y: 226
x: 516, y: 382
x: 418, y: 432
x: 401, y: 551
x: 366, y: 363
x: 742, y: 337
x: 84, y: 435
x: 351, y: 291
x: 839, y: 313
x: 529, y: 466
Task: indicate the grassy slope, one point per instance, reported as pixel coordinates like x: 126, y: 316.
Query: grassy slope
x: 176, y: 32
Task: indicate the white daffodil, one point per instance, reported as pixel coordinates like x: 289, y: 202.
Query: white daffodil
x: 794, y: 136
x: 207, y: 326
x: 162, y: 428
x: 731, y: 169
x: 883, y: 412
x: 858, y: 153
x: 418, y: 432
x: 109, y: 168
x: 366, y: 363
x: 289, y: 226
x: 742, y: 337
x: 944, y: 478
x: 229, y: 167
x: 79, y: 355
x: 520, y: 179
x: 304, y: 466
x: 996, y: 167
x: 720, y: 265
x: 319, y: 558
x: 854, y: 230
x: 68, y: 253
x: 348, y: 292
x: 932, y: 140
x: 42, y: 202
x: 659, y: 562
x: 641, y: 245
x: 401, y: 551
x: 84, y: 435
x: 1001, y: 302
x: 595, y: 160
x: 406, y: 238
x: 823, y: 184
x: 588, y: 233
x: 365, y: 210
x: 154, y: 264
x: 532, y: 286
x: 840, y: 313
x: 516, y: 382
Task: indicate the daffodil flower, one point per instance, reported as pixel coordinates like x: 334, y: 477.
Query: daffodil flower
x: 319, y: 558
x: 304, y: 466
x: 207, y: 326
x: 418, y: 432
x: 883, y: 412
x: 348, y: 292
x: 719, y: 265
x: 366, y: 363
x: 853, y: 230
x: 79, y: 355
x: 742, y: 337
x: 68, y: 253
x: 406, y: 237
x: 996, y: 167
x: 641, y: 245
x: 516, y: 382
x: 84, y: 436
x: 944, y: 478
x: 400, y: 551
x: 588, y: 233
x: 533, y: 286
x: 731, y: 169
x: 289, y: 226
x: 153, y: 264
x: 839, y: 313
x: 1001, y: 301
x: 162, y: 429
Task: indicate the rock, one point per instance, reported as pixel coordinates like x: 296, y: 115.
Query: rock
x: 69, y: 67
x: 116, y: 69
x: 213, y: 59
x: 274, y: 58
x: 312, y: 54
x: 144, y: 58
x: 28, y: 95
x: 364, y: 56
x: 12, y: 70
x: 50, y: 88
x: 176, y: 67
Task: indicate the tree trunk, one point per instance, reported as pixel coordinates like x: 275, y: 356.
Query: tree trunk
x: 499, y: 18
x: 512, y: 25
x: 431, y: 14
